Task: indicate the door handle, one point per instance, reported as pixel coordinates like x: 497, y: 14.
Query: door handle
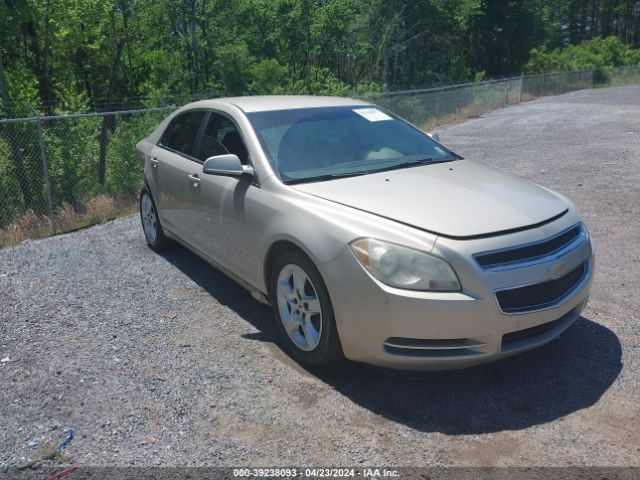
x: 154, y: 162
x: 195, y: 178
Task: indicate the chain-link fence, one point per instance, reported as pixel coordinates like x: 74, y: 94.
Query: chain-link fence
x: 623, y: 76
x: 431, y: 107
x: 60, y: 173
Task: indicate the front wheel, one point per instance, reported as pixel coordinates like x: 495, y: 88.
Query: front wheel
x: 304, y: 315
x: 151, y: 223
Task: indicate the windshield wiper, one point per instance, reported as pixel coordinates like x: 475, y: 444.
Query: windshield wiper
x: 333, y: 176
x: 321, y: 178
x: 415, y: 163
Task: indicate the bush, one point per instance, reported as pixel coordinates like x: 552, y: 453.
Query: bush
x: 599, y: 54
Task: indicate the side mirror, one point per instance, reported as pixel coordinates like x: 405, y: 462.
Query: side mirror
x: 228, y: 164
x: 435, y: 136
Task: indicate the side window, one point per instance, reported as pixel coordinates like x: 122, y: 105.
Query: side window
x: 181, y: 133
x: 220, y: 137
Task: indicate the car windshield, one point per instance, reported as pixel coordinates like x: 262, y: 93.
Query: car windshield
x: 313, y: 144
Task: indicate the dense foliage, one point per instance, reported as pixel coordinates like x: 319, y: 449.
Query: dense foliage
x: 90, y: 54
x: 599, y: 54
x: 68, y: 56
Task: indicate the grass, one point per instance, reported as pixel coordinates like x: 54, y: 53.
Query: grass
x: 46, y: 453
x: 450, y: 119
x: 98, y: 209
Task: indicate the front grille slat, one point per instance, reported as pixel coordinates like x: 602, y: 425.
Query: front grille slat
x: 530, y: 252
x: 531, y: 332
x: 540, y: 295
x: 521, y: 338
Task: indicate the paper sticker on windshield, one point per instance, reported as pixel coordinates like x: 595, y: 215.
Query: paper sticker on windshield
x: 372, y: 114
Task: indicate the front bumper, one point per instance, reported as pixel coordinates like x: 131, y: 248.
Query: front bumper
x: 404, y: 329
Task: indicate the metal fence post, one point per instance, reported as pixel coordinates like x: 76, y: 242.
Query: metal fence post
x: 437, y: 107
x: 521, y: 85
x: 45, y: 171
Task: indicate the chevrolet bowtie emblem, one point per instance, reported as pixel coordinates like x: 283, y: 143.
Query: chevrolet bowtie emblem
x: 556, y: 269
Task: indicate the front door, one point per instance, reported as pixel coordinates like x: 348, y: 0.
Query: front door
x: 226, y: 231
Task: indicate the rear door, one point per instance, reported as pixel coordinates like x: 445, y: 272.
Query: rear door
x: 178, y: 173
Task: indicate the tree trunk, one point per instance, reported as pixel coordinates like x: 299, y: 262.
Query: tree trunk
x: 606, y: 19
x: 46, y: 84
x: 81, y: 63
x: 593, y: 30
x: 104, y: 130
x: 40, y: 62
x: 636, y: 37
x: 125, y: 21
x: 208, y: 48
x: 583, y: 21
x: 194, y: 48
x: 573, y: 27
x: 4, y: 91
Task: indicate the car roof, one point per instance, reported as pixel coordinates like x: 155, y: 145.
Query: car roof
x: 263, y: 103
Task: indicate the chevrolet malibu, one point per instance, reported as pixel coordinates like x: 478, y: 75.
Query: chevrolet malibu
x: 369, y: 238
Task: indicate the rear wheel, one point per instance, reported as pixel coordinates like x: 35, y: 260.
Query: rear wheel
x: 304, y: 315
x: 151, y: 223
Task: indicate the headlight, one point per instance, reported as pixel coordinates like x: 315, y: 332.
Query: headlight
x: 404, y: 267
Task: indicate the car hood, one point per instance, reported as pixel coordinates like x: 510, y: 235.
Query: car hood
x: 455, y: 199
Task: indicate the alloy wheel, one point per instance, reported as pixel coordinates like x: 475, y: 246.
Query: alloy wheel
x: 299, y: 307
x: 149, y: 220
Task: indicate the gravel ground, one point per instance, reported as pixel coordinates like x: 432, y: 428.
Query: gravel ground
x: 160, y: 360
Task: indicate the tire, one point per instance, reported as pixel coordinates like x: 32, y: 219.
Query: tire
x: 288, y: 292
x: 151, y: 226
